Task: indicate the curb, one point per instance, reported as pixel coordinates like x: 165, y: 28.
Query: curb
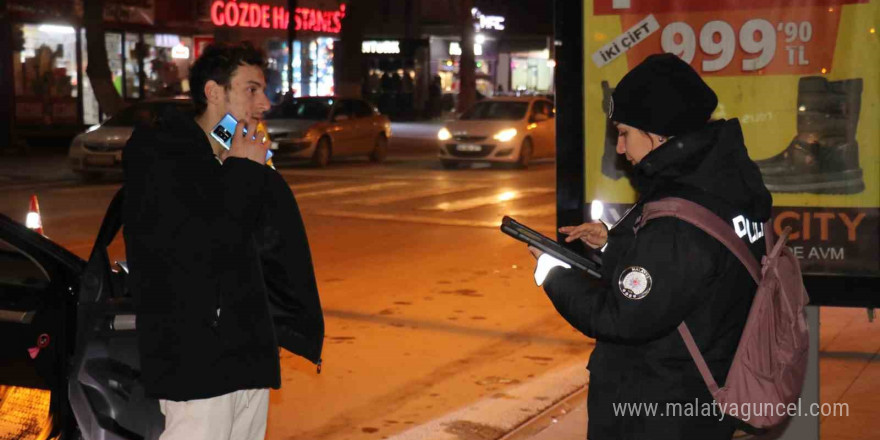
x: 495, y: 417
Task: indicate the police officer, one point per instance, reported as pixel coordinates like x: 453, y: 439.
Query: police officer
x: 669, y: 272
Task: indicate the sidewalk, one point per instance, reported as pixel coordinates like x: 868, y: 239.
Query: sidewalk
x: 849, y: 373
x: 38, y: 165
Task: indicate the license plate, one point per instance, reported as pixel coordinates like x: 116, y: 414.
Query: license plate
x: 102, y: 160
x: 468, y: 147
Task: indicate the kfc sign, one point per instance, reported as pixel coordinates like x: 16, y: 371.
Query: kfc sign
x: 232, y: 13
x: 484, y: 22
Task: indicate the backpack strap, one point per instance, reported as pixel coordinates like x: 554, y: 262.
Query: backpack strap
x: 713, y: 225
x: 707, y: 221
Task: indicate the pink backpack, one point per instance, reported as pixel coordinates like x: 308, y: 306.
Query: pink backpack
x: 770, y: 363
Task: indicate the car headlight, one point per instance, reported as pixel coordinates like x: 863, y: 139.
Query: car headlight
x: 444, y: 134
x: 505, y: 135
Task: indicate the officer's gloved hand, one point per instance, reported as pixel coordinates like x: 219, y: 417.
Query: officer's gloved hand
x: 545, y: 263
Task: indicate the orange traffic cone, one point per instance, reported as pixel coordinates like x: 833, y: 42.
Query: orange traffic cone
x: 34, y: 221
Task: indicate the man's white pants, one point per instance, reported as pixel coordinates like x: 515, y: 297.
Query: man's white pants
x: 240, y: 415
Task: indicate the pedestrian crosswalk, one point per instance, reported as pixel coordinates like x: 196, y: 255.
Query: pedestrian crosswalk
x: 353, y: 189
x: 415, y: 193
x: 452, y: 200
x: 419, y: 200
x: 476, y: 202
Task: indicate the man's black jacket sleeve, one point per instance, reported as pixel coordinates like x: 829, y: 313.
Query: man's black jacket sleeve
x: 289, y: 273
x: 679, y: 258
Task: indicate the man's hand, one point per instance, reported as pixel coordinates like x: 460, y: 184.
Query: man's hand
x: 594, y: 234
x: 252, y: 146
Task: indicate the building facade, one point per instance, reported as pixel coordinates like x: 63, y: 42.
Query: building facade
x: 410, y: 53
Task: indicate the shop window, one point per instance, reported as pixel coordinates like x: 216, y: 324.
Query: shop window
x: 132, y: 66
x: 183, y: 59
x: 277, y: 68
x: 91, y: 111
x: 322, y: 60
x: 533, y: 73
x: 46, y: 75
x: 113, y: 42
x: 166, y: 64
x: 296, y: 65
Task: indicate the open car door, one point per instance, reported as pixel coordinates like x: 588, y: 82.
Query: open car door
x: 106, y: 395
x: 38, y: 284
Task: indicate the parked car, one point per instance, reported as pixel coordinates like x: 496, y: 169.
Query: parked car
x: 511, y: 130
x: 99, y: 150
x: 69, y: 366
x: 322, y: 128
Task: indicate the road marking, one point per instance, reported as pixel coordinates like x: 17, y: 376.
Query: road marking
x: 352, y: 189
x: 421, y: 219
x: 476, y: 202
x: 415, y: 194
x: 480, y: 176
x: 303, y: 186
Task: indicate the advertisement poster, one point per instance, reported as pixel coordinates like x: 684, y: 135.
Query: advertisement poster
x: 803, y: 78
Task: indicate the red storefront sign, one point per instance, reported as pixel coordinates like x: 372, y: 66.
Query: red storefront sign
x: 232, y: 13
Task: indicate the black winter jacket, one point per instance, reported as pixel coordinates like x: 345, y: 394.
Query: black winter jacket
x: 639, y: 355
x: 202, y: 237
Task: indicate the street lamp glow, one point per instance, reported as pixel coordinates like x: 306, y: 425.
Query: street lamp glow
x: 480, y: 38
x: 505, y: 196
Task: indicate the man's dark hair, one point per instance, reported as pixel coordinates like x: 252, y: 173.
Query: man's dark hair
x: 218, y: 62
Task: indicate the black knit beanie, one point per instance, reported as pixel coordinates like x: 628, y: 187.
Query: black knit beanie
x: 663, y: 95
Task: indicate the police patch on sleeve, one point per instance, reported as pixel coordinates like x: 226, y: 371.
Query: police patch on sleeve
x: 635, y: 282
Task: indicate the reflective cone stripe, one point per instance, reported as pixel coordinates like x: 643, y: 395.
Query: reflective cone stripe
x: 34, y: 221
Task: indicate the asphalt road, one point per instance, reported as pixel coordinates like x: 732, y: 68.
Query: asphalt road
x: 430, y: 309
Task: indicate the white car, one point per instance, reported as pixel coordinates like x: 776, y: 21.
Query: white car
x: 99, y: 150
x: 511, y: 130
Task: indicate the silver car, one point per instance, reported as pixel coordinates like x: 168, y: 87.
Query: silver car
x: 99, y: 150
x: 321, y: 128
x: 511, y: 130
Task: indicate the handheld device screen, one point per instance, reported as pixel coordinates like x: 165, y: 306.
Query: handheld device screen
x: 224, y: 130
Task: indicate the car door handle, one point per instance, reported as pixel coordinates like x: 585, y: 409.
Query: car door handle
x: 17, y: 316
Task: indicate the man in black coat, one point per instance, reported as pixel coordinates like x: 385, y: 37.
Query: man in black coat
x: 219, y: 262
x: 643, y: 382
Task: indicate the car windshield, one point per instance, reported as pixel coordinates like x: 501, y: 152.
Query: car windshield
x: 497, y: 110
x: 144, y: 113
x: 314, y: 109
